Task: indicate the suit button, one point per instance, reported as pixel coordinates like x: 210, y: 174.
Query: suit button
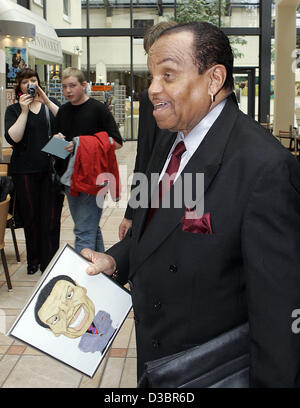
x: 155, y: 343
x: 157, y: 305
x: 173, y: 268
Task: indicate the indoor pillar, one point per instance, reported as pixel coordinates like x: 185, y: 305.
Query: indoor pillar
x: 285, y: 45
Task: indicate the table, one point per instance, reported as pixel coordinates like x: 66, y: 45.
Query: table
x: 291, y: 139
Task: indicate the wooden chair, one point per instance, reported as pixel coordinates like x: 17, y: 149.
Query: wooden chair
x: 268, y: 126
x: 10, y: 216
x: 3, y: 220
x: 288, y: 134
x: 3, y: 169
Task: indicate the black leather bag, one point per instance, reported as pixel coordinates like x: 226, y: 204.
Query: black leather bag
x: 55, y: 178
x: 6, y: 187
x: 222, y: 362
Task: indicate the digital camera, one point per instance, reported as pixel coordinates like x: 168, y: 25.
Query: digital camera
x: 31, y: 88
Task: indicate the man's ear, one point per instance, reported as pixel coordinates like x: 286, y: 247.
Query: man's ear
x: 84, y: 85
x: 217, y: 75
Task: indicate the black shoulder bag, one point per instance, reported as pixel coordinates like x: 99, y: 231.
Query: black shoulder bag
x: 222, y: 362
x: 55, y: 178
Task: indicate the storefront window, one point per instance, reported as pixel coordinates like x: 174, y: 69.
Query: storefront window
x: 273, y: 12
x: 67, y: 60
x: 246, y: 73
x: 111, y: 80
x: 149, y: 13
x: 127, y: 64
x: 39, y: 2
x: 104, y: 14
x: 110, y: 76
x: 66, y: 8
x: 240, y: 13
x: 24, y: 3
x: 246, y: 50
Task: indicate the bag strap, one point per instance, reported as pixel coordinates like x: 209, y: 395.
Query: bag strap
x: 48, y: 121
x: 52, y: 159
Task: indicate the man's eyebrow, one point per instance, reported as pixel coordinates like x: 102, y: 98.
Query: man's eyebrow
x: 65, y: 293
x: 172, y: 59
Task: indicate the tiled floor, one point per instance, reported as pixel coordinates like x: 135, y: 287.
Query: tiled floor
x: 22, y: 366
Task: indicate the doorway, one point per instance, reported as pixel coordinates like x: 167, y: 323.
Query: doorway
x: 245, y: 89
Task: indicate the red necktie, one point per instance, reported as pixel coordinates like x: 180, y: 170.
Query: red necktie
x: 92, y: 329
x: 168, y: 178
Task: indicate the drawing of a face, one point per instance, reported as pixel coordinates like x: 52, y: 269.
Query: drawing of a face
x: 67, y: 310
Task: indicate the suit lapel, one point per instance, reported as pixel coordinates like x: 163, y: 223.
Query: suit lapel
x: 207, y: 159
x: 164, y: 142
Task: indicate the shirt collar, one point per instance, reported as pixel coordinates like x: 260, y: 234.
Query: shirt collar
x: 200, y: 130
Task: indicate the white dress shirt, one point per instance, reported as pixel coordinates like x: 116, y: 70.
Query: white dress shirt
x: 193, y: 139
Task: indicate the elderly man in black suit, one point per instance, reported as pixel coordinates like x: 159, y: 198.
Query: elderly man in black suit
x: 193, y: 279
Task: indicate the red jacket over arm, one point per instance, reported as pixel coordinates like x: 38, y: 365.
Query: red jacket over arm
x: 95, y: 165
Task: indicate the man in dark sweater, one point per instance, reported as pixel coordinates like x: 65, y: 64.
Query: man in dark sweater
x: 78, y: 117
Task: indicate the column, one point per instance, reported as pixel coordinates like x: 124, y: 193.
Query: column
x: 285, y: 45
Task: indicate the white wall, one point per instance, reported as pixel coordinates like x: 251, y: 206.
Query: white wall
x: 244, y: 17
x: 36, y: 8
x: 56, y: 18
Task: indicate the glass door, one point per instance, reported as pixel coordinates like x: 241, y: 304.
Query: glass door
x: 245, y: 89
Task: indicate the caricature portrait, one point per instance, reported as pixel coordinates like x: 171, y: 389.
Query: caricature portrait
x: 72, y: 316
x: 65, y: 308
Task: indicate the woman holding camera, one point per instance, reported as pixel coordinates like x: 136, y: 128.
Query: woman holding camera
x: 39, y: 204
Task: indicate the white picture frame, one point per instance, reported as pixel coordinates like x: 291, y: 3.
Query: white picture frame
x: 67, y: 310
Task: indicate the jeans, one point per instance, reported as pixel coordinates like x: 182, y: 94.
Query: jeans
x: 86, y: 216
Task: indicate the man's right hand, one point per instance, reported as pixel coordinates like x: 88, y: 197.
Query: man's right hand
x: 70, y: 147
x: 100, y: 262
x: 124, y: 227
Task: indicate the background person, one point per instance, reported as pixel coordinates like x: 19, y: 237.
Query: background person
x: 39, y: 205
x: 81, y: 116
x: 148, y: 131
x: 192, y: 280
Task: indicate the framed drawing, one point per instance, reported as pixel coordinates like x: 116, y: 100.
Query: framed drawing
x: 72, y: 316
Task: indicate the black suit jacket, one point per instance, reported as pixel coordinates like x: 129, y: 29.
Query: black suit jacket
x: 188, y: 288
x: 148, y: 133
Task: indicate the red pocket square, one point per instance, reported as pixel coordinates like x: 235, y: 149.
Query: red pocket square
x: 200, y: 225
